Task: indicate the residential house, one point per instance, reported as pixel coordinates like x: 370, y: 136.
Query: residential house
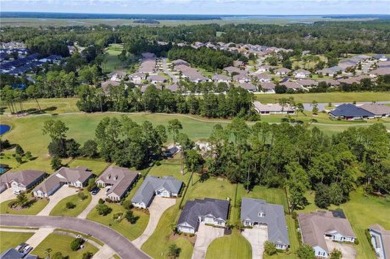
x: 256, y: 212
x: 380, y: 57
x: 264, y: 78
x: 137, y: 78
x: 265, y: 68
x: 118, y: 76
x: 118, y: 180
x: 291, y: 85
x: 318, y: 227
x: 268, y: 87
x: 242, y: 78
x: 380, y: 240
x: 173, y: 88
x: 75, y: 177
x: 330, y: 71
x: 180, y: 62
x: 350, y: 112
x: 106, y: 85
x: 21, y: 181
x: 12, y: 253
x: 221, y: 78
x: 230, y: 70
x: 282, y: 71
x: 273, y: 108
x: 249, y: 87
x: 301, y: 73
x: 307, y: 83
x: 379, y: 110
x: 209, y: 211
x: 156, y: 79
x: 166, y: 186
x: 381, y: 71
x: 330, y: 82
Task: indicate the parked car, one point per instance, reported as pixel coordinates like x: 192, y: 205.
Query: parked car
x: 94, y: 191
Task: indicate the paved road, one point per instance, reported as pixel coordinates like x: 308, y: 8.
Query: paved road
x: 167, y: 71
x: 123, y: 247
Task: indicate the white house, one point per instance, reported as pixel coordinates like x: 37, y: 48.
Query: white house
x: 21, y: 181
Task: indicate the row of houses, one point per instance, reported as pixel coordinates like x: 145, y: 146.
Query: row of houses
x: 359, y: 112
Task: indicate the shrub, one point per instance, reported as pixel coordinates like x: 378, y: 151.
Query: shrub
x: 82, y: 196
x: 306, y: 252
x: 117, y: 215
x: 103, y: 209
x: 269, y: 248
x: 87, y: 255
x: 356, y: 242
x: 70, y: 205
x: 127, y: 204
x: 101, y: 201
x: 130, y: 217
x: 76, y: 244
x: 336, y: 254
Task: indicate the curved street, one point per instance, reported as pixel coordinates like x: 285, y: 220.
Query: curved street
x: 122, y: 246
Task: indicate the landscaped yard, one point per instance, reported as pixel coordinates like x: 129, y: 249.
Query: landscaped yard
x: 12, y: 239
x: 61, y: 243
x: 34, y: 209
x: 158, y: 244
x: 96, y: 166
x: 230, y: 246
x: 61, y: 210
x: 123, y: 226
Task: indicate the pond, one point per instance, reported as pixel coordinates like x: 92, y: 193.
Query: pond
x: 4, y: 128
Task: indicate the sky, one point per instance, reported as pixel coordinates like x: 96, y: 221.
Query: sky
x: 245, y: 7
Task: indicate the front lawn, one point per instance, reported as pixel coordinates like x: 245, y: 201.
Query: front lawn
x: 230, y: 246
x: 157, y: 246
x: 61, y: 210
x: 12, y: 239
x: 123, y: 226
x: 34, y: 209
x: 61, y: 243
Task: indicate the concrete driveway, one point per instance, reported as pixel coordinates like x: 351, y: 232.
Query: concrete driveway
x: 60, y: 194
x: 204, y: 237
x: 121, y: 245
x: 256, y: 237
x: 346, y: 249
x: 95, y: 200
x: 156, y: 209
x: 39, y: 236
x: 104, y: 252
x: 7, y: 195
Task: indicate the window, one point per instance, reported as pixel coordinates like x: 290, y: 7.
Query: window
x: 261, y: 214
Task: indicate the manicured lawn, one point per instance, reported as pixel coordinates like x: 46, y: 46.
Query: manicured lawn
x: 157, y: 245
x: 123, y: 226
x: 170, y: 167
x: 49, y: 106
x: 12, y: 239
x: 96, y: 166
x: 328, y: 97
x: 111, y: 61
x: 61, y: 243
x: 362, y: 211
x: 34, y: 209
x: 230, y: 246
x: 61, y: 210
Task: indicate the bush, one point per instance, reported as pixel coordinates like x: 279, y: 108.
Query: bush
x: 101, y: 201
x: 336, y: 254
x: 82, y: 196
x: 130, y: 217
x: 127, y: 204
x: 87, y: 255
x: 103, y: 209
x: 70, y: 205
x: 356, y: 242
x: 306, y: 252
x: 117, y: 215
x: 76, y: 244
x: 269, y: 248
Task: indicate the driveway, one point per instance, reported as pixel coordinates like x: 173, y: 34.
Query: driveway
x: 156, y: 209
x: 94, y: 201
x: 121, y: 245
x: 60, y: 194
x: 167, y: 71
x: 39, y: 236
x: 7, y: 195
x: 104, y: 252
x: 204, y: 237
x: 346, y: 249
x: 256, y: 237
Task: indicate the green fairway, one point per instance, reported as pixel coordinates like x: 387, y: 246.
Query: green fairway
x: 34, y: 209
x: 122, y: 226
x: 230, y: 246
x: 12, y: 239
x: 333, y: 97
x: 61, y: 243
x: 61, y: 210
x: 48, y: 106
x: 158, y: 244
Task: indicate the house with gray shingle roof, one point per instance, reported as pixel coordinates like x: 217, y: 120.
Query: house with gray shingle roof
x: 301, y: 73
x: 318, y: 226
x: 380, y: 240
x: 209, y: 211
x: 379, y: 110
x: 119, y: 180
x: 166, y: 186
x: 76, y: 177
x: 21, y: 181
x: 255, y: 212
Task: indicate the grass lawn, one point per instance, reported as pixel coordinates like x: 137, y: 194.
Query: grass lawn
x: 158, y: 243
x: 61, y: 243
x: 328, y: 97
x: 48, y: 106
x: 12, y: 239
x: 361, y: 211
x: 34, y: 209
x: 61, y: 210
x: 170, y: 167
x: 111, y: 61
x: 123, y: 226
x: 96, y: 166
x: 230, y: 246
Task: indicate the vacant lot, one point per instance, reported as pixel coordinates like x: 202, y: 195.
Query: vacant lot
x: 61, y: 243
x: 12, y: 239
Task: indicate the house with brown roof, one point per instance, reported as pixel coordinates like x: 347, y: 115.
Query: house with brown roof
x: 301, y: 73
x: 75, y: 177
x: 268, y: 87
x: 380, y: 240
x: 221, y: 78
x: 264, y: 77
x: 21, y: 181
x: 118, y: 181
x: 282, y: 71
x: 379, y: 110
x: 273, y: 108
x: 318, y: 228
